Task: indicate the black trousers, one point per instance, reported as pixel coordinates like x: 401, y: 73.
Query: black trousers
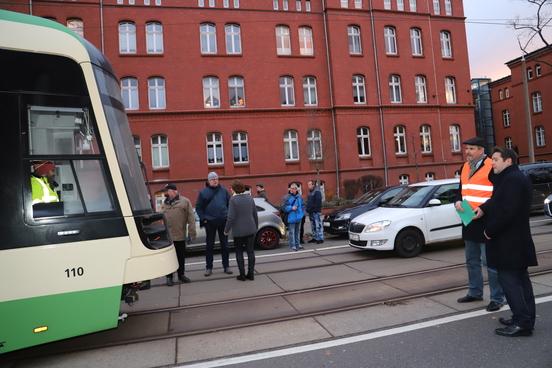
x: 246, y: 243
x: 211, y: 229
x: 519, y: 294
x: 180, y: 247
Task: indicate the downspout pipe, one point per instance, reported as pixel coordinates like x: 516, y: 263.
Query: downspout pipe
x: 101, y: 27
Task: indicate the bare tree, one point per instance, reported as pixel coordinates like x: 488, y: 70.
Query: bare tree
x: 535, y: 26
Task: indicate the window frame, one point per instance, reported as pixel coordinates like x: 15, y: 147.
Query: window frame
x: 399, y: 134
x: 420, y: 86
x: 283, y: 39
x: 208, y: 38
x: 450, y: 90
x: 425, y: 139
x: 156, y: 37
x: 363, y: 142
x: 314, y: 145
x: 128, y: 36
x: 390, y: 37
x: 536, y: 97
x: 506, y: 118
x: 233, y: 39
x: 234, y: 87
x: 211, y: 92
x: 446, y: 44
x: 310, y: 91
x: 359, y: 89
x: 416, y: 43
x: 211, y: 144
x: 239, y: 141
x: 160, y: 146
x: 354, y: 39
x: 455, y: 138
x: 306, y: 40
x: 287, y: 91
x: 132, y: 91
x: 159, y: 90
x: 540, y: 138
x: 395, y: 90
x: 291, y: 140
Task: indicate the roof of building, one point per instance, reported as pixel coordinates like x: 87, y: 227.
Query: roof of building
x: 531, y: 55
x: 502, y: 80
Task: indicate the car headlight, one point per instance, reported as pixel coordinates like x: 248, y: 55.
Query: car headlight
x: 547, y: 200
x: 344, y: 216
x: 377, y: 226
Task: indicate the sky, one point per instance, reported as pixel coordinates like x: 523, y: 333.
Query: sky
x: 491, y: 45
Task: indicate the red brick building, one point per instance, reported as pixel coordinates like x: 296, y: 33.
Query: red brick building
x: 278, y: 90
x: 508, y: 102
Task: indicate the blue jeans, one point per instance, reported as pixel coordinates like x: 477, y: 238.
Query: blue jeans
x: 293, y: 236
x: 316, y: 224
x: 475, y: 258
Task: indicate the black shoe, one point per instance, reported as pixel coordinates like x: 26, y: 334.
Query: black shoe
x: 241, y: 277
x: 228, y: 271
x: 250, y: 276
x: 506, y: 322
x: 319, y: 241
x: 494, y: 306
x: 183, y: 279
x: 513, y: 331
x: 312, y: 241
x: 469, y: 299
x: 208, y: 272
x: 170, y: 281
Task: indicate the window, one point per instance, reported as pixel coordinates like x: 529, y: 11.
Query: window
x: 211, y: 92
x: 455, y: 140
x: 387, y: 4
x: 201, y: 3
x: 233, y: 39
x: 127, y: 38
x: 283, y: 43
x: 446, y: 44
x: 239, y: 147
x: 76, y: 25
x: 211, y: 3
x: 508, y: 142
x: 298, y: 5
x: 537, y: 102
x: 500, y: 94
x: 154, y: 38
x: 539, y: 136
x: 529, y: 73
x: 215, y: 153
x: 506, y: 118
x: 275, y: 5
x: 538, y: 70
x: 353, y: 34
x: 400, y: 139
x: 157, y: 2
x: 314, y: 141
x: 208, y: 38
x: 358, y: 4
x: 390, y: 41
x: 137, y: 146
x: 129, y: 93
x: 436, y: 7
x: 448, y: 7
x: 159, y: 151
x: 400, y: 5
x: 287, y: 93
x: 457, y: 174
x: 285, y: 4
x: 395, y: 89
x: 309, y: 91
x: 236, y: 4
x: 507, y: 92
x: 421, y: 90
x: 226, y: 3
x: 416, y: 41
x: 412, y: 5
x: 236, y: 92
x: 429, y: 176
x: 156, y: 93
x: 425, y: 139
x: 363, y: 141
x: 404, y: 179
x: 450, y: 90
x: 359, y: 90
x: 305, y: 41
x: 291, y: 145
x: 344, y: 3
x: 308, y: 5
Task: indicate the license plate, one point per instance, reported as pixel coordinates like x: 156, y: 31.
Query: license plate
x: 326, y: 224
x: 355, y: 237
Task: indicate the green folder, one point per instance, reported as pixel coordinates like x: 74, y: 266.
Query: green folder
x: 467, y: 215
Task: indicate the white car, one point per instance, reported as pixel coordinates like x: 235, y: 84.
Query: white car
x: 422, y: 213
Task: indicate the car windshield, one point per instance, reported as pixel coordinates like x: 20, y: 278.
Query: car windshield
x: 368, y: 196
x: 410, y: 197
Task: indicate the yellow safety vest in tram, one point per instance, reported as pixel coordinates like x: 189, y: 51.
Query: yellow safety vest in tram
x: 42, y: 191
x: 477, y: 189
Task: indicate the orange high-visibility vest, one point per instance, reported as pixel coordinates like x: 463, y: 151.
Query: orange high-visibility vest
x: 477, y: 189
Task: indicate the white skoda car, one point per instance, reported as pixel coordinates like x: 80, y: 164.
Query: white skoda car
x: 422, y: 213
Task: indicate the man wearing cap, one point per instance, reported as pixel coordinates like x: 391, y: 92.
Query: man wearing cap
x: 261, y: 192
x: 476, y: 188
x: 212, y: 209
x: 180, y: 218
x: 43, y: 184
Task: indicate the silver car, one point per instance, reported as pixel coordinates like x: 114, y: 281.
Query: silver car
x: 271, y: 228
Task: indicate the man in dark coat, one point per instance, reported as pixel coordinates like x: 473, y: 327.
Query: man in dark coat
x: 510, y: 248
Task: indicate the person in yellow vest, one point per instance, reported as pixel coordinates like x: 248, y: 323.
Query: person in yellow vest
x: 476, y: 188
x: 42, y: 182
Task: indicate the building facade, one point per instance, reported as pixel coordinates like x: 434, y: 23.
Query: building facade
x: 356, y: 93
x: 509, y: 106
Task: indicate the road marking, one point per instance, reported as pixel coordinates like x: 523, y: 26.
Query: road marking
x: 277, y: 254
x: 347, y: 340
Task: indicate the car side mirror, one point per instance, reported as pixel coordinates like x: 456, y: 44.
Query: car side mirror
x: 434, y: 202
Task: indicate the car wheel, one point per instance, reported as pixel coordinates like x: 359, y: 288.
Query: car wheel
x: 268, y: 238
x: 409, y: 243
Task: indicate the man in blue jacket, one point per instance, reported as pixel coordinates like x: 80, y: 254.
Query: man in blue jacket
x: 314, y: 208
x: 212, y: 209
x: 293, y: 207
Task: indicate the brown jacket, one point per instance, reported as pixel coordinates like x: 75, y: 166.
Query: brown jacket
x: 179, y: 213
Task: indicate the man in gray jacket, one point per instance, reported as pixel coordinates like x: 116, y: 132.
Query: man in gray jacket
x: 242, y: 220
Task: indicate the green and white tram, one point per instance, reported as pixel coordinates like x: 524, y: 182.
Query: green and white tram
x: 64, y: 264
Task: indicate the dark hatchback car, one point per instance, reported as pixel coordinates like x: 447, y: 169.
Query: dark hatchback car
x: 337, y: 222
x: 540, y: 174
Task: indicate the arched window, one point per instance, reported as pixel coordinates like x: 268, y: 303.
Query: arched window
x: 421, y: 89
x: 508, y: 142
x: 287, y: 92
x: 400, y: 139
x: 416, y: 41
x: 539, y: 136
x: 436, y: 7
x: 363, y: 141
x: 76, y: 25
x: 306, y: 46
x: 506, y: 118
x: 455, y: 140
x: 156, y: 93
x: 208, y: 38
x: 448, y: 7
x: 390, y: 40
x: 314, y: 140
x: 129, y: 93
x: 430, y: 176
x: 240, y: 150
x: 283, y: 42
x: 450, y: 90
x: 159, y: 151
x: 446, y: 44
x: 291, y: 145
x: 359, y: 89
x: 309, y: 91
x: 395, y: 94
x: 236, y: 91
x: 127, y: 38
x: 425, y: 138
x: 137, y: 146
x: 538, y: 70
x: 211, y: 92
x: 355, y: 44
x: 537, y: 102
x: 404, y: 179
x: 413, y: 5
x: 215, y: 152
x: 233, y: 39
x: 154, y: 38
x: 400, y: 5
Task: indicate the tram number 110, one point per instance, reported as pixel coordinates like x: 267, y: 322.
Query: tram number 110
x: 74, y: 272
